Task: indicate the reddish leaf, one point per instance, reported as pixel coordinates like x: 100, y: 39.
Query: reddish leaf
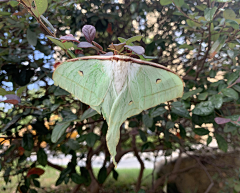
x: 37, y: 171
x: 69, y: 37
x: 97, y: 45
x: 21, y: 13
x: 89, y: 32
x: 137, y: 49
x: 21, y: 150
x: 220, y: 120
x: 85, y: 45
x: 109, y: 29
x: 212, y: 55
x: 117, y: 47
x: 12, y: 98
x: 107, y: 54
x: 56, y: 64
x: 78, y: 52
x: 178, y: 135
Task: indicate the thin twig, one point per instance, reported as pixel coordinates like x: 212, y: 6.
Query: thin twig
x: 138, y: 185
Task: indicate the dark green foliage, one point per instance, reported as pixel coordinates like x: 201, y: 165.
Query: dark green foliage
x: 198, y: 41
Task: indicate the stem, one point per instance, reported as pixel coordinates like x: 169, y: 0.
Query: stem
x: 138, y: 185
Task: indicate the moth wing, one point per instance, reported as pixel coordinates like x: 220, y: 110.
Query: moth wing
x: 149, y: 86
x: 87, y: 80
x: 121, y: 110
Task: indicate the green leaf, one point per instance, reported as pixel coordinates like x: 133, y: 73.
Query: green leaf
x: 237, y: 186
x: 234, y: 118
x: 42, y: 157
x: 229, y: 92
x: 212, y: 73
x: 63, y: 175
x: 59, y: 92
x: 186, y: 46
x: 91, y: 139
x: 76, y: 178
x: 69, y: 118
x: 203, y: 108
x: 236, y: 87
x: 222, y: 144
x: 130, y: 40
x: 114, y: 174
x: 4, y: 13
x: 229, y: 127
x: 147, y: 120
x: 32, y: 190
x: 73, y: 144
x: 230, y: 53
x: 178, y: 13
x: 133, y: 124
x: 58, y: 131
x: 201, y: 7
x: 85, y: 173
x: 182, y: 131
x: 215, y: 36
x: 229, y: 14
x: 157, y: 112
x: 146, y: 146
x: 165, y: 2
x: 4, y: 92
x: 31, y: 37
x: 20, y: 90
x: 232, y: 23
x: 209, y: 13
x: 201, y: 131
x: 54, y: 107
x: 40, y: 7
x: 48, y: 23
x: 178, y: 3
x: 10, y: 123
x: 36, y: 183
x: 217, y: 101
x: 209, y: 140
x: 27, y: 141
x: 192, y: 23
x: 169, y: 125
x: 13, y: 3
x: 88, y: 113
x: 190, y: 93
x: 217, y: 46
x: 58, y: 42
x: 102, y: 175
x: 28, y: 2
x: 6, y: 174
x: 142, y: 135
x: 202, y: 96
x: 233, y: 77
x: 180, y: 111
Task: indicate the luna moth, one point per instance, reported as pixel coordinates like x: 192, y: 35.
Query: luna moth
x: 117, y: 87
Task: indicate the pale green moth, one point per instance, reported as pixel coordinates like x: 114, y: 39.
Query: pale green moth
x: 117, y: 87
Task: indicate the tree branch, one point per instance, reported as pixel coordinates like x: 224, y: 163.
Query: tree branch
x: 57, y: 167
x: 138, y: 185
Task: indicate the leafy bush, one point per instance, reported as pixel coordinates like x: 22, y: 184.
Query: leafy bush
x: 196, y: 39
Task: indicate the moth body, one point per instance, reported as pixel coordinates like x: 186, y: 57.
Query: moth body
x: 120, y: 71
